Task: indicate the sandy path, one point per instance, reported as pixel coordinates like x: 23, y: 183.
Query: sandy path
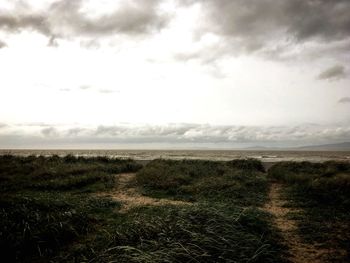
x: 127, y: 193
x: 300, y: 251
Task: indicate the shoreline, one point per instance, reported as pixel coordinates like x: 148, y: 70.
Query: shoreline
x: 144, y: 156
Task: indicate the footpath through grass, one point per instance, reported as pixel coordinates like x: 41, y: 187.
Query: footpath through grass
x: 50, y: 210
x: 321, y: 194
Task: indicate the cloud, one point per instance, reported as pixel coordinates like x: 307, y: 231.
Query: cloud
x: 104, y: 91
x: 2, y: 44
x: 108, y: 91
x: 333, y: 73
x: 344, y: 100
x: 299, y: 19
x: 65, y: 89
x: 13, y: 23
x: 85, y: 87
x: 3, y: 125
x: 50, y: 132
x: 90, y: 44
x: 74, y: 132
x: 34, y: 124
x: 65, y: 18
x: 268, y: 28
x: 179, y: 134
x: 52, y: 42
x: 273, y: 28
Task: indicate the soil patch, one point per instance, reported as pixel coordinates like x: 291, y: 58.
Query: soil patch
x: 129, y: 195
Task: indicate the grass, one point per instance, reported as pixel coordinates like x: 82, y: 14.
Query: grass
x: 35, y: 226
x: 55, y: 173
x: 44, y: 203
x: 202, y: 233
x: 327, y: 184
x: 241, y: 182
x: 321, y: 192
x: 50, y: 211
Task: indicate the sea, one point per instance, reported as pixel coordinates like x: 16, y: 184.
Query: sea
x: 217, y: 155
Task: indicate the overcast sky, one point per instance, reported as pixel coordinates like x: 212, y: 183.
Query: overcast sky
x: 174, y: 73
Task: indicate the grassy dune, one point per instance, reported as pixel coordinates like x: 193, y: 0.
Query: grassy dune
x: 239, y: 182
x: 51, y: 210
x: 56, y: 209
x: 45, y: 203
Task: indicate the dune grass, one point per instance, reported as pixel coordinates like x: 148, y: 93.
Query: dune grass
x: 321, y: 192
x: 51, y: 211
x: 201, y: 233
x: 44, y: 203
x: 239, y: 182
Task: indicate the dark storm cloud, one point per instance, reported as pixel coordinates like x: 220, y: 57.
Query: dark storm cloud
x: 65, y: 19
x: 299, y: 19
x: 15, y: 23
x: 344, y: 100
x: 333, y: 73
x: 268, y: 27
x: 271, y: 27
x: 133, y: 17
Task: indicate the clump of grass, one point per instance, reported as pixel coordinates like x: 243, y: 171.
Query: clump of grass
x: 247, y: 165
x: 327, y: 183
x: 202, y: 233
x: 42, y: 202
x: 71, y: 182
x: 35, y: 225
x: 239, y: 181
x: 55, y: 173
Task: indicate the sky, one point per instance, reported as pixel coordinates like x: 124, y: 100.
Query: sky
x: 219, y: 74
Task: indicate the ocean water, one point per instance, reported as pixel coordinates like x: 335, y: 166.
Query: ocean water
x: 221, y: 155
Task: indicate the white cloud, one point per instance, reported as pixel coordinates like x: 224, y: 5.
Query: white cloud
x: 176, y: 134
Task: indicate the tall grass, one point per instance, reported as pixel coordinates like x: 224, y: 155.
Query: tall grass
x: 201, y: 233
x: 42, y: 202
x: 241, y: 181
x: 321, y: 194
x: 55, y: 173
x: 49, y: 212
x: 326, y: 183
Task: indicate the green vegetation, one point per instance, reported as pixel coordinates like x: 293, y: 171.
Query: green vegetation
x: 200, y: 233
x: 239, y: 182
x: 58, y: 209
x: 321, y: 193
x: 55, y: 173
x: 44, y: 203
x: 51, y: 209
